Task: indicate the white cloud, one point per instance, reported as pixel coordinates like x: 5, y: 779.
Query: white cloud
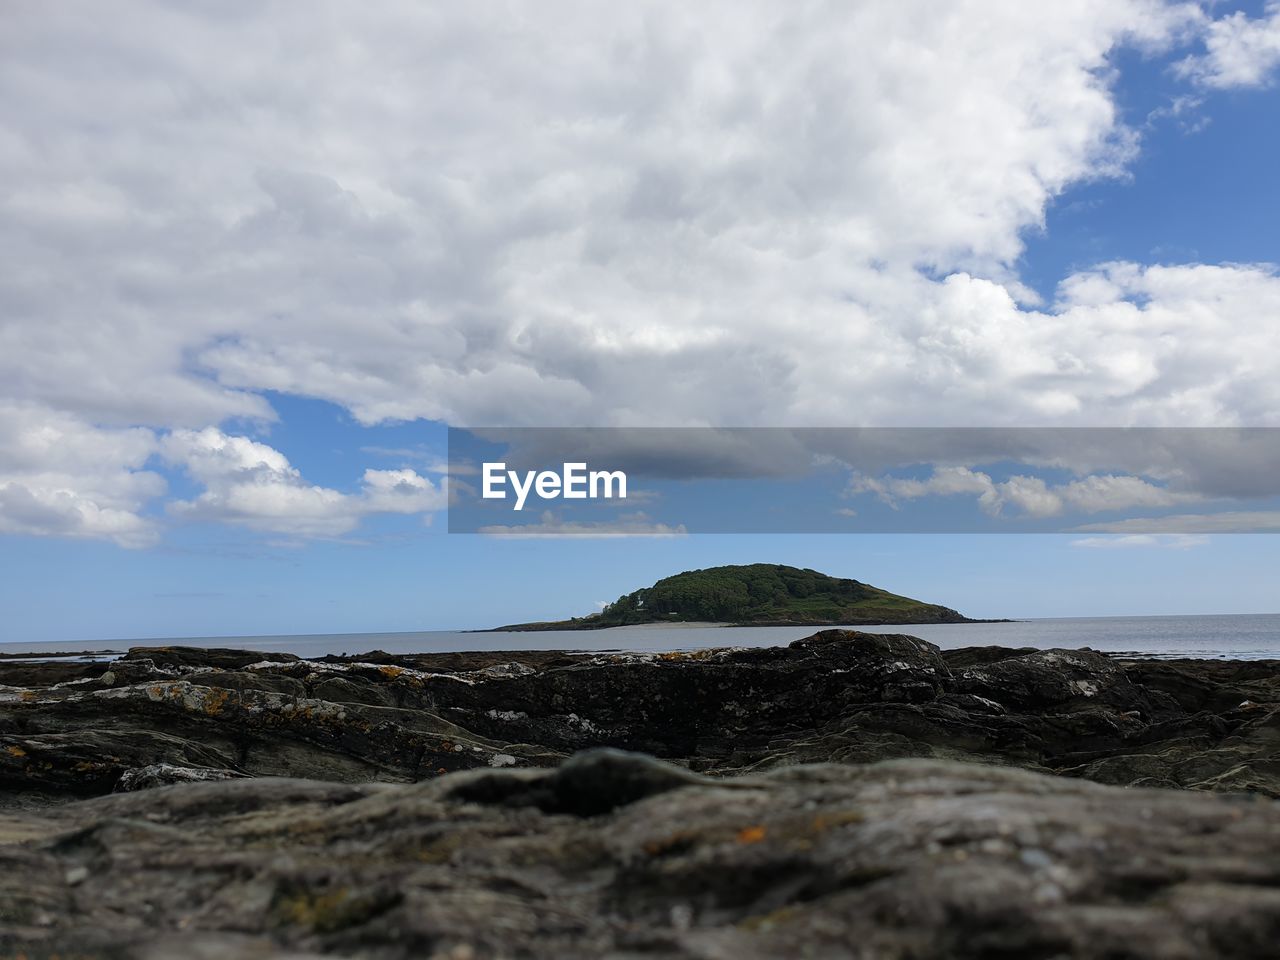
x: 550, y: 526
x: 429, y: 461
x: 1109, y: 492
x: 1227, y: 521
x: 349, y: 215
x: 1125, y: 344
x: 1240, y: 51
x: 253, y: 485
x: 60, y: 476
x: 400, y: 491
x: 1030, y: 495
x: 942, y: 482
x: 1142, y: 540
x: 1027, y: 495
x: 721, y: 213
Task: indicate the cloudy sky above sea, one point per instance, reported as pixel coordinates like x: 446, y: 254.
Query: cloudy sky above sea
x: 256, y: 258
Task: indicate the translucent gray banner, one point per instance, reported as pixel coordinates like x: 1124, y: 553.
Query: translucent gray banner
x: 602, y: 482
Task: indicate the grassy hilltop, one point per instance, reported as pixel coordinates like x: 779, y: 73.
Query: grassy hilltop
x: 756, y: 594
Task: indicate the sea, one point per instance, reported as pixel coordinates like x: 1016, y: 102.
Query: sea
x: 1231, y: 636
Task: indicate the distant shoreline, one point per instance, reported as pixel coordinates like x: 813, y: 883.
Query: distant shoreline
x: 61, y: 654
x: 1235, y: 636
x: 553, y: 626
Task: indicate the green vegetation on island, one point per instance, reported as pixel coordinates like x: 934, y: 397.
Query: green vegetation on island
x: 757, y: 594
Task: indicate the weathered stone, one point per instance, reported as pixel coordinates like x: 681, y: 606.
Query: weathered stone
x: 166, y: 774
x: 905, y: 859
x: 775, y: 834
x: 838, y: 695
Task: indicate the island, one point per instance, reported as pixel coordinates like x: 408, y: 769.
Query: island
x: 756, y: 594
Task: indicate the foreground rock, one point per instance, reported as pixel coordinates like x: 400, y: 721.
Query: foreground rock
x: 618, y: 855
x: 172, y: 715
x: 448, y: 812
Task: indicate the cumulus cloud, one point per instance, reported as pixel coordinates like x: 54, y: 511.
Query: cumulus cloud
x: 1108, y: 492
x: 61, y: 476
x: 344, y: 215
x: 1240, y: 51
x: 1026, y: 495
x: 253, y: 485
x: 720, y: 213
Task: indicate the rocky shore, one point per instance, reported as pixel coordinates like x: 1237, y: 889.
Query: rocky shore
x: 848, y: 795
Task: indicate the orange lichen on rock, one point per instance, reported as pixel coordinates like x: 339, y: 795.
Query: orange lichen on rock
x: 674, y: 843
x: 215, y: 700
x: 679, y: 655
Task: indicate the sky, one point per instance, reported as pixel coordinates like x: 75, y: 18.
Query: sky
x: 256, y: 259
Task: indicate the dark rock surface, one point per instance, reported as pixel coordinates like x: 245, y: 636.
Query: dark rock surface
x: 815, y: 806
x: 623, y: 856
x: 91, y: 729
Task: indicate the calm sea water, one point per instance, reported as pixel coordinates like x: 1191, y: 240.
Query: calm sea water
x: 1240, y: 636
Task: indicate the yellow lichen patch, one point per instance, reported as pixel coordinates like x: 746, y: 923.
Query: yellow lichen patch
x: 767, y: 921
x: 215, y: 700
x: 440, y: 850
x: 15, y: 751
x: 314, y: 910
x: 327, y: 911
x: 27, y: 696
x: 752, y: 834
x: 678, y: 655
